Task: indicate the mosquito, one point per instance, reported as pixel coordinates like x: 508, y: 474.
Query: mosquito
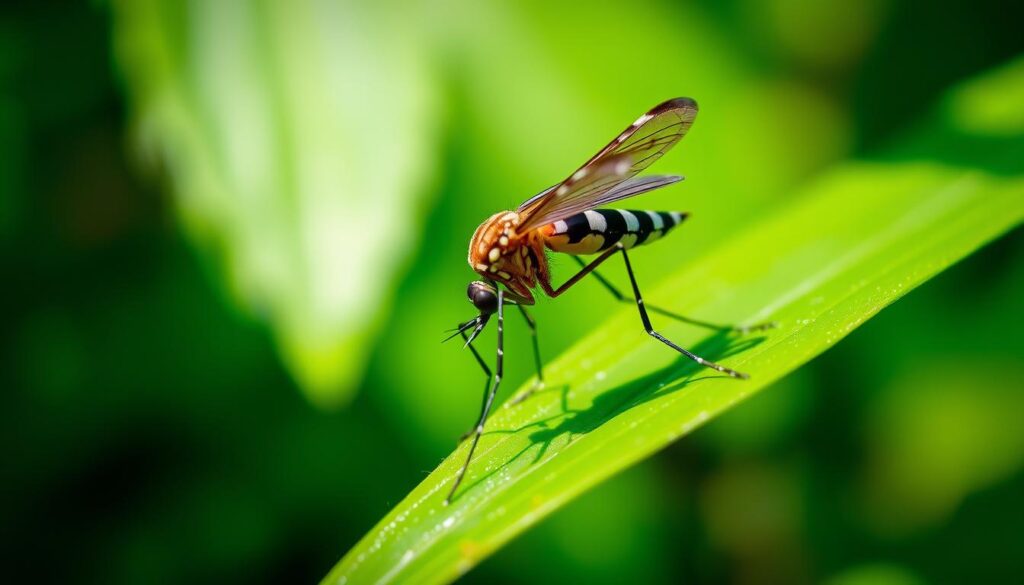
x: 509, y: 250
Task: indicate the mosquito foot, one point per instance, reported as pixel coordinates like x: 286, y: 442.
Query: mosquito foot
x: 729, y: 371
x: 759, y: 327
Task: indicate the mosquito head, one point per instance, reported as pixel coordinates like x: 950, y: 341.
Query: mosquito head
x: 483, y: 296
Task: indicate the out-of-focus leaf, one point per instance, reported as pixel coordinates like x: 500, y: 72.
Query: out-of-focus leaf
x: 813, y: 34
x: 930, y: 441
x: 296, y: 137
x: 855, y: 240
x: 876, y: 574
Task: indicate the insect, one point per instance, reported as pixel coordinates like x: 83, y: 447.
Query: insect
x: 509, y: 250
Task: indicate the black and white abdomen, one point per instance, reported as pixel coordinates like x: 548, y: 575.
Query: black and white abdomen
x: 597, y: 230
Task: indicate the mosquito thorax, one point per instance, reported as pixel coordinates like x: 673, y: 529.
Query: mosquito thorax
x: 492, y: 242
x: 483, y: 296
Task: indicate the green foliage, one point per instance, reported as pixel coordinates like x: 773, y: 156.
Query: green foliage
x: 268, y: 117
x: 855, y: 240
x: 155, y: 431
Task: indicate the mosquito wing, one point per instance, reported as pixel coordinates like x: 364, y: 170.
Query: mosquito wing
x: 609, y: 175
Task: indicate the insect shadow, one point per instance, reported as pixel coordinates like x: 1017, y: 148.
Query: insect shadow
x: 610, y: 403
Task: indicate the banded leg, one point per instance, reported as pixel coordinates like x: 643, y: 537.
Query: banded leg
x: 707, y: 324
x: 488, y: 399
x: 536, y: 359
x: 650, y: 329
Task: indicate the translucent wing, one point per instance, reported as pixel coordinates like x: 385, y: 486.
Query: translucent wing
x: 536, y: 197
x: 636, y: 186
x: 608, y: 175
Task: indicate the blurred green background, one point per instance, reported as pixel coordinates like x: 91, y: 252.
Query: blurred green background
x: 233, y: 233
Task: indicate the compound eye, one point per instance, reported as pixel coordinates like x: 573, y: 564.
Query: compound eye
x: 483, y: 296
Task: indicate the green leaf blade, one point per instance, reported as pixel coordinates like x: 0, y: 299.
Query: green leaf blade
x: 854, y: 241
x: 818, y: 274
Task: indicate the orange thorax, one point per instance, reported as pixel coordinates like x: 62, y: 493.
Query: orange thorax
x: 499, y: 252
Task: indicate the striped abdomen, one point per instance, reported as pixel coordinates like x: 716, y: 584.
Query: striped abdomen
x: 598, y: 229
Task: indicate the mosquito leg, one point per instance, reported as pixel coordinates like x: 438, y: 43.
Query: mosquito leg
x: 707, y: 324
x: 650, y: 329
x: 544, y: 284
x: 488, y: 400
x: 532, y: 324
x: 487, y: 379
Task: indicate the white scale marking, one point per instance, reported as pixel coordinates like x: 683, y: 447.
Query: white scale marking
x: 632, y: 223
x: 658, y: 224
x: 596, y: 221
x: 561, y: 227
x: 676, y: 216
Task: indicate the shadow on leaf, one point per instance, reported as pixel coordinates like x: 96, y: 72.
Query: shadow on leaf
x: 607, y: 405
